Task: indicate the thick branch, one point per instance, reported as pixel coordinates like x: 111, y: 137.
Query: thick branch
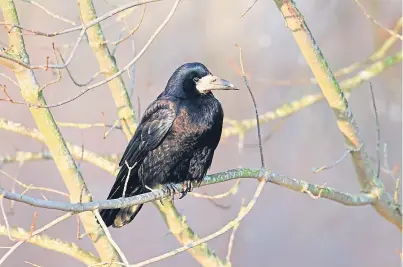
x: 31, y: 93
x: 108, y: 66
x: 272, y: 177
x: 337, y: 101
x: 50, y: 243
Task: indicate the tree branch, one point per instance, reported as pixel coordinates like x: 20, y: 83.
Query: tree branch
x: 51, y: 243
x: 108, y: 66
x: 78, y: 152
x: 289, y: 109
x: 337, y: 101
x: 31, y: 93
x: 271, y: 177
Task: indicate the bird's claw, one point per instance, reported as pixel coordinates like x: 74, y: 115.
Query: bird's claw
x: 171, y: 190
x: 186, y: 188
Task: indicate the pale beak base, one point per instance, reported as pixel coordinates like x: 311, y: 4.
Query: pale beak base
x: 210, y: 82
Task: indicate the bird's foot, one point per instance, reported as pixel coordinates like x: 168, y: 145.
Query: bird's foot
x: 171, y: 190
x: 187, y: 186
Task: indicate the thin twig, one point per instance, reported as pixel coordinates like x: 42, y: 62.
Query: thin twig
x: 326, y: 167
x: 376, y: 22
x: 47, y: 11
x: 128, y: 176
x: 230, y: 225
x: 46, y: 227
x: 82, y: 28
x: 33, y: 224
x: 116, y: 43
x: 249, y: 8
x: 114, y: 126
x: 71, y: 75
x: 134, y: 60
x: 378, y: 133
x: 31, y: 186
x: 59, y: 73
x: 10, y: 79
x: 109, y: 237
x: 3, y: 212
x: 255, y: 106
x: 232, y: 238
x: 231, y: 191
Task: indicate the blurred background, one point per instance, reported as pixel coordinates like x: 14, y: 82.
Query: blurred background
x: 285, y: 228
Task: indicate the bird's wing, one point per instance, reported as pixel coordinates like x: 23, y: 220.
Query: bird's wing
x: 152, y: 129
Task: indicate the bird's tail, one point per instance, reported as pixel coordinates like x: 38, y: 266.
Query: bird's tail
x: 119, y: 217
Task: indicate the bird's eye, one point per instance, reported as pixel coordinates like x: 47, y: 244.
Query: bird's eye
x: 195, y: 79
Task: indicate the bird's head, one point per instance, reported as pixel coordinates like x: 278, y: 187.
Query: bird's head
x: 194, y: 79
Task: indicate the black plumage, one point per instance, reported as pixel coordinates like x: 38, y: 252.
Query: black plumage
x: 174, y: 141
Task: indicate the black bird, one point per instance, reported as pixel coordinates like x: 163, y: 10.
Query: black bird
x: 174, y: 141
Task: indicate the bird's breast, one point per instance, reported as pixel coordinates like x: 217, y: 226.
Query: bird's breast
x: 196, y: 119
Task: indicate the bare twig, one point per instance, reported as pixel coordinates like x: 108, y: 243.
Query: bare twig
x: 3, y: 212
x: 49, y: 225
x: 47, y: 11
x: 33, y: 224
x: 249, y: 8
x: 50, y: 243
x: 231, y: 191
x: 88, y: 125
x: 8, y: 98
x: 378, y: 133
x: 255, y: 106
x: 128, y: 176
x: 82, y: 28
x: 59, y: 73
x: 376, y: 22
x: 33, y: 264
x: 112, y: 127
x: 71, y: 75
x: 108, y: 235
x: 31, y: 186
x: 77, y: 151
x: 326, y: 167
x: 116, y: 43
x: 230, y: 225
x: 10, y: 79
x: 134, y: 60
x: 232, y: 237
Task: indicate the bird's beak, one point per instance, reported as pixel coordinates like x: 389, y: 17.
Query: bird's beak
x: 210, y: 82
